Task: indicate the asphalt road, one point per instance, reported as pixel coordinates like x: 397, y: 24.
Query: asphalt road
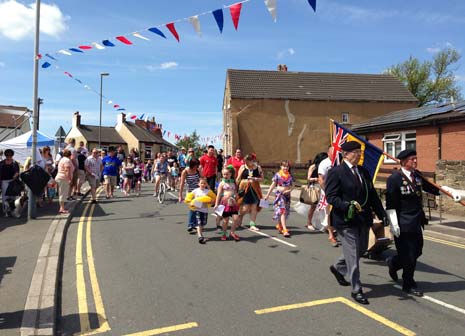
x: 130, y: 267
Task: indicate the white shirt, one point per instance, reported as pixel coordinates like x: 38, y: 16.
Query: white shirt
x: 407, y: 173
x: 324, y: 167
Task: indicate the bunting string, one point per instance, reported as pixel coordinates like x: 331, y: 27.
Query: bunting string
x: 194, y: 20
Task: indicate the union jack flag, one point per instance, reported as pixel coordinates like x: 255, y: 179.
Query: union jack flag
x: 323, y: 203
x: 339, y: 136
x: 372, y: 156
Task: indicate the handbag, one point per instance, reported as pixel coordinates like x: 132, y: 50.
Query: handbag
x: 310, y: 194
x: 15, y: 187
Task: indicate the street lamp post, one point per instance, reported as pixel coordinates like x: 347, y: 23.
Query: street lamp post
x: 100, y: 122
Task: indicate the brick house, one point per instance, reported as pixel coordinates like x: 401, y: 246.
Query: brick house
x: 437, y: 132
x: 14, y: 121
x: 285, y: 115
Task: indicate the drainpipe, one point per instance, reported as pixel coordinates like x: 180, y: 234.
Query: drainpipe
x: 439, y: 142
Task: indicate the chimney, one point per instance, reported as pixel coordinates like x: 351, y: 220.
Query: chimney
x: 121, y: 118
x: 76, y: 119
x: 141, y: 123
x: 282, y: 67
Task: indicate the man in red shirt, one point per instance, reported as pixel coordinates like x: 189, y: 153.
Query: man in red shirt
x: 209, y: 167
x: 236, y: 161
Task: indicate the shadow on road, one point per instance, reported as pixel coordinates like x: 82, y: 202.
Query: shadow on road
x: 6, y: 265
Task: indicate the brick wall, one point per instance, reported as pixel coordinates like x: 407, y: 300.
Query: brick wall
x: 451, y: 173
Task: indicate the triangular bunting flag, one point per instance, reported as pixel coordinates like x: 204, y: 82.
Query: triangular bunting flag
x: 140, y: 36
x: 146, y: 118
x: 172, y: 29
x: 98, y: 46
x: 68, y: 74
x: 46, y: 65
x: 157, y: 31
x: 235, y: 11
x: 85, y: 47
x: 123, y: 39
x: 107, y: 43
x: 109, y: 102
x: 133, y: 117
x: 142, y: 116
x: 77, y: 80
x: 76, y: 50
x: 194, y: 20
x: 218, y: 14
x: 313, y: 4
x: 64, y: 52
x: 271, y: 5
x: 116, y: 106
x: 49, y: 56
x: 121, y: 109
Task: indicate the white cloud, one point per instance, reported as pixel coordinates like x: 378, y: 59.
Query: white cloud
x: 439, y: 47
x: 433, y: 50
x: 17, y: 20
x: 286, y: 52
x: 162, y: 66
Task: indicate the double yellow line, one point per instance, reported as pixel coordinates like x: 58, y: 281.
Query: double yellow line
x: 444, y: 242
x: 80, y: 279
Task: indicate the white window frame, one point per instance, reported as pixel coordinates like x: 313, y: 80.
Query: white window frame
x: 393, y: 138
x: 345, y: 114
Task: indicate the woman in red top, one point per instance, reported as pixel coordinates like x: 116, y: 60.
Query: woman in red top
x: 236, y: 161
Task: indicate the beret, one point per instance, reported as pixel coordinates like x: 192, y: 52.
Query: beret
x: 350, y: 146
x: 406, y: 153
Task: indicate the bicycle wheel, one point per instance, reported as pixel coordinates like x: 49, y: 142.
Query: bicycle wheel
x: 162, y: 192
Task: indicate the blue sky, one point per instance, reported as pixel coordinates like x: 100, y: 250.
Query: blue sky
x: 182, y: 84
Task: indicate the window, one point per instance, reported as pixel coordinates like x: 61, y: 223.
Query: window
x: 396, y: 142
x: 148, y: 152
x: 345, y: 118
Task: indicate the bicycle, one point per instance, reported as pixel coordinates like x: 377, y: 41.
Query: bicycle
x: 162, y: 189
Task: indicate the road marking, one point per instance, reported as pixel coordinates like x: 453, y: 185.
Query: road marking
x: 172, y: 195
x: 264, y: 235
x: 364, y: 311
x: 439, y: 302
x: 159, y: 331
x: 80, y: 281
x: 445, y: 242
x: 100, y: 310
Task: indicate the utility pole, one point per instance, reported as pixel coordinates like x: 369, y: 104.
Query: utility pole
x: 35, y: 112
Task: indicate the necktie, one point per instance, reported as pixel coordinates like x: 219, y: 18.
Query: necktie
x: 357, y: 177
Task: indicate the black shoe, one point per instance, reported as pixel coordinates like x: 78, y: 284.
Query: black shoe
x: 93, y: 202
x: 339, y: 277
x: 360, y: 298
x: 392, y: 270
x: 202, y: 240
x: 413, y: 291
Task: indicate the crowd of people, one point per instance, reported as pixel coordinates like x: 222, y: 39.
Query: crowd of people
x: 231, y: 185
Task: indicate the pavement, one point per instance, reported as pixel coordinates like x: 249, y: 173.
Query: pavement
x: 24, y: 277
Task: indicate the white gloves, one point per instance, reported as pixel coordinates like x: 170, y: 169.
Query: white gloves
x: 457, y: 195
x: 394, y: 224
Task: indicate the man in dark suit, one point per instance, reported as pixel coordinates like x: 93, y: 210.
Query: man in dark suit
x: 350, y: 192
x: 404, y: 195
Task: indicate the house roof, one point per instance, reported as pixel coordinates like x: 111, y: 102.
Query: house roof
x: 12, y: 116
x: 144, y: 135
x: 108, y: 134
x: 416, y: 116
x: 259, y: 84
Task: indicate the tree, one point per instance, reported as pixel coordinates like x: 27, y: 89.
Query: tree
x: 191, y: 141
x: 430, y: 81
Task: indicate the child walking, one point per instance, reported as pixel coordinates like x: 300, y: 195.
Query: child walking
x: 227, y: 195
x: 284, y: 182
x: 200, y: 199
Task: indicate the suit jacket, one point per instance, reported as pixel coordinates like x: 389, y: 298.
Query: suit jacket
x: 406, y: 199
x: 341, y: 187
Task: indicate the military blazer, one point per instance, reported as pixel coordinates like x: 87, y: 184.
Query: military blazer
x: 341, y: 187
x: 406, y: 198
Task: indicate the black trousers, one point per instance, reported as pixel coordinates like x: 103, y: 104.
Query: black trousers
x: 409, y: 247
x: 211, y: 182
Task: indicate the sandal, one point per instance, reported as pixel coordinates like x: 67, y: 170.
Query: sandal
x: 224, y: 237
x: 286, y: 233
x: 254, y: 228
x: 234, y: 236
x: 63, y: 212
x: 310, y: 227
x: 333, y: 242
x: 279, y: 228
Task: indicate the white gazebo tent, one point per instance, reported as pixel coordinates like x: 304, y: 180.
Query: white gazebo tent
x: 22, y: 146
